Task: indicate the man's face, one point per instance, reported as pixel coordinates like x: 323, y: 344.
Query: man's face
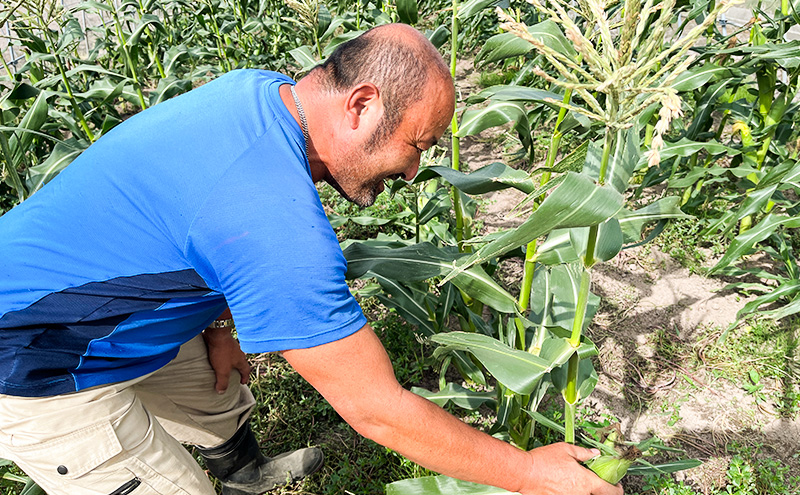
x: 365, y: 166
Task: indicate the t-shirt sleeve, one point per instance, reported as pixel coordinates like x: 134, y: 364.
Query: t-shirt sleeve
x: 263, y: 240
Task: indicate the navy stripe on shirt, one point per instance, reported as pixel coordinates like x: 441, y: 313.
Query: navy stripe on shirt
x: 45, y: 347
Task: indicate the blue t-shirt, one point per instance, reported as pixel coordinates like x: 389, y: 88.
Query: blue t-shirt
x: 202, y: 201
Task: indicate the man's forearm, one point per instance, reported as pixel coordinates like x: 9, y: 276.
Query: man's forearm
x: 428, y: 435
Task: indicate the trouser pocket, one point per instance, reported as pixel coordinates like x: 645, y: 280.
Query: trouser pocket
x: 96, y: 460
x: 78, y: 462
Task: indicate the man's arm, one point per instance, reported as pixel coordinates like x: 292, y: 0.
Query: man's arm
x: 354, y: 374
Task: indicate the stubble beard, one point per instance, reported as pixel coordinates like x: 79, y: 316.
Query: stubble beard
x: 364, y: 192
x: 351, y: 183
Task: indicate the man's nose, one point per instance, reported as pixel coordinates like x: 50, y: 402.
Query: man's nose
x: 411, y: 171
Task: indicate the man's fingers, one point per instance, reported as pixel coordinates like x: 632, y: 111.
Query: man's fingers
x: 582, y: 455
x: 244, y: 370
x: 222, y: 381
x: 608, y: 489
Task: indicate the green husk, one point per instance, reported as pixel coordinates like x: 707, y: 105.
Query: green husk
x: 612, y: 468
x: 609, y: 467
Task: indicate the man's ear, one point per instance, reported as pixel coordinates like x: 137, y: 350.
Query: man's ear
x: 363, y: 106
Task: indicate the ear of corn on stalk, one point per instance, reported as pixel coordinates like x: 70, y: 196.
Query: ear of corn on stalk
x: 612, y: 468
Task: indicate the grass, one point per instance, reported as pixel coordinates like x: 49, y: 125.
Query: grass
x: 681, y: 240
x: 748, y: 473
x: 762, y: 358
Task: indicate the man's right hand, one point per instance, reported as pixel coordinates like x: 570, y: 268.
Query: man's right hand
x: 557, y: 470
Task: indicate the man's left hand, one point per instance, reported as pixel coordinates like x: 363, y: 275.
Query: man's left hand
x: 225, y: 355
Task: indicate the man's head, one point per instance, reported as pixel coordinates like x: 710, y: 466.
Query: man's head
x: 398, y: 98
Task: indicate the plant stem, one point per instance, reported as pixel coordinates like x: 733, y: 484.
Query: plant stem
x: 571, y: 398
x: 126, y: 52
x: 7, y: 67
x: 580, y: 309
x: 11, y: 169
x: 154, y: 53
x: 460, y: 229
x: 63, y: 73
x: 571, y: 392
x: 415, y: 201
x: 527, y: 277
x: 608, y: 143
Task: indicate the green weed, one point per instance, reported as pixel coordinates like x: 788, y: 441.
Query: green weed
x: 681, y: 240
x: 748, y: 473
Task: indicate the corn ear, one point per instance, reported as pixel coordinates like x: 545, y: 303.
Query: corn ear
x: 609, y: 467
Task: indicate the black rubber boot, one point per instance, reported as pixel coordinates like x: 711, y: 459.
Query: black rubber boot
x: 244, y: 470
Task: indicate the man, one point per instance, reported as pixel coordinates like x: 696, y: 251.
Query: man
x: 115, y: 340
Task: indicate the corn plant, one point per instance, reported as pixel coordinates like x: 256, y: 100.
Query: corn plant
x: 610, y: 65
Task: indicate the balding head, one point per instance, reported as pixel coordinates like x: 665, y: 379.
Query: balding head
x: 397, y: 59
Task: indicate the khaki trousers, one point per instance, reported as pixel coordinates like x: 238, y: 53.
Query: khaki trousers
x: 126, y: 437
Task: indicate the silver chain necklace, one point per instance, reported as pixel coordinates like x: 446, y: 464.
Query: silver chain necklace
x: 302, y: 114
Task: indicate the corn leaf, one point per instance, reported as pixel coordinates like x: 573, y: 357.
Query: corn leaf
x: 169, y: 87
x: 556, y: 249
x: 558, y: 296
x: 323, y: 19
x: 577, y: 202
x: 587, y: 378
x: 438, y: 204
x: 458, y: 395
x: 584, y: 438
x: 622, y: 161
x: 421, y: 262
x: 494, y: 114
x: 787, y: 54
x: 699, y: 76
x: 32, y: 122
x: 517, y: 370
x: 339, y: 220
x: 439, y: 36
x: 89, y: 5
x: 62, y: 155
x: 696, y: 174
x: 632, y: 222
x: 513, y: 93
x: 407, y: 11
x: 147, y: 20
x: 304, y: 56
x: 745, y: 242
x: 440, y: 485
x: 608, y: 243
x: 789, y: 289
x: 408, y: 304
x: 686, y: 147
x: 667, y: 467
x: 705, y: 107
x: 786, y: 175
x: 507, y: 45
x: 492, y: 177
x: 471, y: 8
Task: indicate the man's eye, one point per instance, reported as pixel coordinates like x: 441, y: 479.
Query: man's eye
x: 419, y: 150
